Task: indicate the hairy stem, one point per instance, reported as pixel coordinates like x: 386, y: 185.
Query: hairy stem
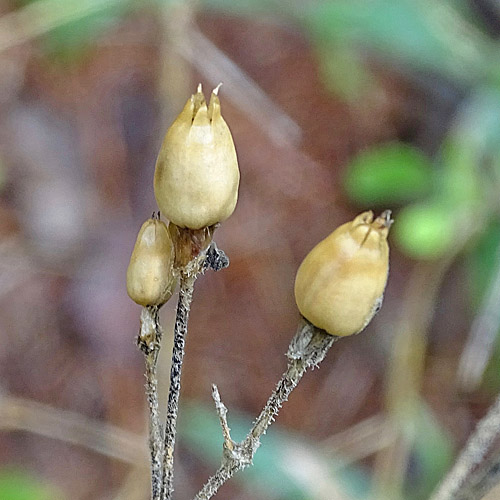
x: 307, y: 349
x: 149, y: 343
x: 187, y: 280
x: 477, y: 446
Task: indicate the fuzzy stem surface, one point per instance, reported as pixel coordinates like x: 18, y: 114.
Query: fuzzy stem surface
x: 149, y: 342
x: 473, y: 453
x: 307, y: 349
x: 187, y: 280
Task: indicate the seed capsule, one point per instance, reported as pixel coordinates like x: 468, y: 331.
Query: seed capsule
x: 150, y: 279
x: 340, y: 284
x: 197, y: 176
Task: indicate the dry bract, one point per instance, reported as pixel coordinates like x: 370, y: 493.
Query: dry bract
x: 197, y: 176
x: 150, y: 279
x: 340, y: 284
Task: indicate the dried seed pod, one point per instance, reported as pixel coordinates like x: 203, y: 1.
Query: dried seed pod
x: 150, y: 278
x: 197, y: 176
x: 340, y: 284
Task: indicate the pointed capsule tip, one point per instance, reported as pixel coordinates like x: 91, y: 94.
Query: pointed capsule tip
x: 199, y: 90
x: 386, y: 218
x: 216, y: 89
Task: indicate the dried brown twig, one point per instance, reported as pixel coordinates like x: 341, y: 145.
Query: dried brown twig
x: 149, y: 342
x: 214, y: 259
x: 307, y: 349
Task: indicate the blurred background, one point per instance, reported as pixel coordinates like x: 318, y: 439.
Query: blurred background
x: 336, y: 107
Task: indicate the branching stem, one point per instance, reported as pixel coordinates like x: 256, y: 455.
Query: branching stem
x: 307, y: 349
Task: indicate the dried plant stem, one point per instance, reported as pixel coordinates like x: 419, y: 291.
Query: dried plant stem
x: 484, y: 482
x: 187, y: 281
x: 307, y: 349
x: 149, y: 342
x: 473, y: 453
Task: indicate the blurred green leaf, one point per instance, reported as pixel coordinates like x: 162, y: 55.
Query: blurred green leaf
x: 478, y: 120
x: 393, y: 173
x: 68, y: 26
x: 491, y: 377
x: 482, y: 261
x: 470, y: 154
x: 71, y: 38
x: 18, y: 485
x: 250, y: 7
x: 425, y: 230
x: 272, y: 471
x: 460, y: 176
x: 344, y: 71
x: 404, y: 30
x: 432, y: 455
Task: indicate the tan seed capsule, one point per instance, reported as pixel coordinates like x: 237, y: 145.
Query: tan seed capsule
x: 150, y: 279
x: 197, y: 176
x: 340, y: 284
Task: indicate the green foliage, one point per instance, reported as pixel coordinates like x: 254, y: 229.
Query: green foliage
x: 482, y: 260
x: 248, y: 7
x: 404, y: 32
x: 18, y: 485
x: 397, y: 28
x: 75, y: 24
x: 431, y: 457
x: 482, y: 264
x: 389, y: 174
x: 72, y: 38
x: 426, y: 230
x: 460, y: 192
x: 343, y: 70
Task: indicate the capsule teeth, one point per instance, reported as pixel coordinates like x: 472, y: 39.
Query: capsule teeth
x: 368, y: 217
x: 214, y: 105
x: 383, y: 222
x: 385, y: 218
x: 198, y: 101
x: 363, y: 219
x: 216, y: 89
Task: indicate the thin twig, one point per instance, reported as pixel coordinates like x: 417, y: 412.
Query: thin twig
x: 484, y: 482
x: 149, y: 342
x: 18, y: 414
x: 180, y: 332
x: 221, y: 409
x: 307, y: 349
x: 214, y: 259
x: 473, y: 453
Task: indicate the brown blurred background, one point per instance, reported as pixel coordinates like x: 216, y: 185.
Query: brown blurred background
x: 87, y: 91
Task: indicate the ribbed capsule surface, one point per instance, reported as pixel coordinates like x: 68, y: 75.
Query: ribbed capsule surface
x: 340, y: 284
x: 150, y: 278
x: 197, y: 177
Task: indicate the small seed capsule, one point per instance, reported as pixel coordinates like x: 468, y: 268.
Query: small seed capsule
x: 150, y: 278
x: 340, y: 284
x: 197, y: 176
